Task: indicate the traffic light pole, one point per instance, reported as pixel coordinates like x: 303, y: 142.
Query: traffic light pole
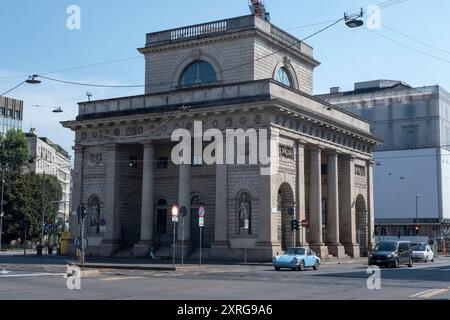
x: 417, y: 217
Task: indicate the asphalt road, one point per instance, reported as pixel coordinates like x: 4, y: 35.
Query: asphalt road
x: 43, y: 279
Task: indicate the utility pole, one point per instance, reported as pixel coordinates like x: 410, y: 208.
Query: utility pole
x: 41, y: 241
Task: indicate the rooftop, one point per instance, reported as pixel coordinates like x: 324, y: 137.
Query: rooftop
x: 223, y: 27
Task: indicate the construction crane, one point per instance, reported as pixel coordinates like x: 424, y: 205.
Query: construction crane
x: 258, y: 8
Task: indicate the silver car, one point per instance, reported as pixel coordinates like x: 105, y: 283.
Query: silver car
x: 423, y: 252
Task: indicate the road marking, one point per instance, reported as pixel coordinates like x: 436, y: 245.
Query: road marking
x: 429, y: 293
x: 121, y: 278
x: 33, y: 275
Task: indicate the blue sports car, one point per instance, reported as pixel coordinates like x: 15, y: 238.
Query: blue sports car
x: 297, y: 259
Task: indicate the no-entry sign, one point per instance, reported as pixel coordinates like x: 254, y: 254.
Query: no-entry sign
x: 201, y: 212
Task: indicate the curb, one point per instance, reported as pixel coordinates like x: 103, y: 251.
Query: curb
x: 127, y: 267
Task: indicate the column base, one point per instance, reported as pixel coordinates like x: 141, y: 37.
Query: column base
x: 108, y: 248
x: 337, y: 250
x: 142, y: 249
x: 185, y: 249
x: 268, y: 250
x: 320, y: 249
x: 352, y: 250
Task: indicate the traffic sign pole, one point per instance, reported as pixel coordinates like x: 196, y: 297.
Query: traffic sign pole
x: 182, y: 243
x: 201, y: 220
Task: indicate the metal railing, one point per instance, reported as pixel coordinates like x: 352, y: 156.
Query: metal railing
x: 199, y: 30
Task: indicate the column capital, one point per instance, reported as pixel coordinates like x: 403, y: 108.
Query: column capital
x: 349, y: 157
x: 301, y: 143
x: 78, y: 148
x: 371, y: 163
x: 148, y: 143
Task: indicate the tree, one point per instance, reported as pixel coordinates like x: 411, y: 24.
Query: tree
x: 24, y: 192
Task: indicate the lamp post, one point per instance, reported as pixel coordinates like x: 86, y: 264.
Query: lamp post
x: 417, y: 216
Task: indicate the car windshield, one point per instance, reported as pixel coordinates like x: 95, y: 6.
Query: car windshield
x: 386, y: 246
x: 295, y: 251
x: 419, y: 248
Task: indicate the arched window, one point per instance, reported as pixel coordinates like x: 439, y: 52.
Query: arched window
x: 282, y: 75
x: 161, y: 216
x: 198, y: 72
x: 94, y: 215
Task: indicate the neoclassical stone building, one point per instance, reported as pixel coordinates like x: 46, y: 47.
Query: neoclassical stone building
x: 240, y: 73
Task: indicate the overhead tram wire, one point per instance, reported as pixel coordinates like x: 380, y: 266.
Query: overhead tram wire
x: 14, y: 88
x: 409, y: 47
x: 416, y: 40
x: 175, y: 82
x: 382, y: 5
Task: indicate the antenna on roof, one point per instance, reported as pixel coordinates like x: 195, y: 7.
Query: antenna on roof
x: 258, y: 8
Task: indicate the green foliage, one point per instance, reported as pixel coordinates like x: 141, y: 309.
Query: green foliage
x: 24, y: 194
x: 23, y: 202
x: 13, y: 150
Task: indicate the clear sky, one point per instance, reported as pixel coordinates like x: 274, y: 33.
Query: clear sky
x: 35, y: 39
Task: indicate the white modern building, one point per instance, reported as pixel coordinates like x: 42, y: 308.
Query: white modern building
x: 413, y: 163
x: 51, y: 159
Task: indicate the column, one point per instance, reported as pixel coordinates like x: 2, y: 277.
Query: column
x: 111, y: 240
x: 301, y: 195
x: 315, y: 193
x: 333, y: 244
x: 316, y: 198
x: 348, y: 214
x: 184, y: 199
x: 77, y: 191
x: 221, y: 227
x: 142, y: 249
x: 371, y: 228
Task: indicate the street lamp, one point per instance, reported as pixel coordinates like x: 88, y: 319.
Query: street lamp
x: 353, y: 20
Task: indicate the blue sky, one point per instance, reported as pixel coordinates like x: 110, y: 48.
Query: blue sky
x: 35, y: 40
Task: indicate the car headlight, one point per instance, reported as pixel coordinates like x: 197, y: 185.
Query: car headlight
x: 294, y: 260
x: 274, y: 258
x: 390, y: 256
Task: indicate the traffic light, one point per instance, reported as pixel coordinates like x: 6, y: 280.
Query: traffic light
x: 295, y: 224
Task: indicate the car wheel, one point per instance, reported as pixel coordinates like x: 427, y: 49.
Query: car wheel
x: 277, y: 269
x: 397, y: 263
x: 301, y: 266
x: 411, y: 263
x: 316, y: 266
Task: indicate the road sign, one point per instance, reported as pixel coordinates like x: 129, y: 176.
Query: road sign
x: 201, y: 222
x: 291, y: 211
x: 201, y: 212
x: 247, y: 224
x: 305, y: 224
x: 174, y: 218
x: 79, y: 243
x: 183, y: 211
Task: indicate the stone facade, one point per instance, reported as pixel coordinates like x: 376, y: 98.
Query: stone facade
x: 126, y: 178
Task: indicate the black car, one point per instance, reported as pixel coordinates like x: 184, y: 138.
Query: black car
x: 392, y: 254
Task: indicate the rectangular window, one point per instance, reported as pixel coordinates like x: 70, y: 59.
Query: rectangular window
x: 17, y: 114
x: 2, y: 111
x: 10, y: 113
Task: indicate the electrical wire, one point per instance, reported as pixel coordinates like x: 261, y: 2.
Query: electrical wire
x: 408, y: 47
x: 14, y: 88
x: 212, y: 74
x: 415, y: 40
